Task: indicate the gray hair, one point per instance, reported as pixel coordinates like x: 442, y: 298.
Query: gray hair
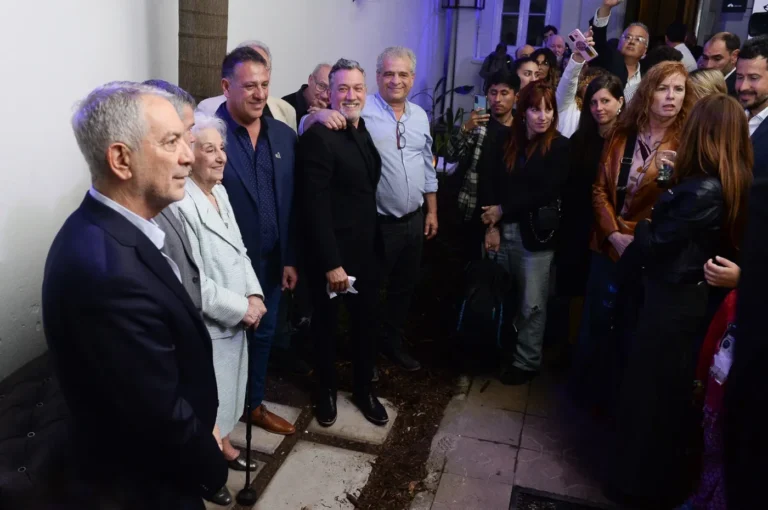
x: 320, y: 66
x: 181, y: 97
x: 203, y: 122
x: 110, y: 114
x: 396, y: 52
x: 641, y: 25
x: 257, y: 44
x: 344, y: 65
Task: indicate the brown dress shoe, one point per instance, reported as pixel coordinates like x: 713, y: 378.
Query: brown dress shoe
x: 261, y: 417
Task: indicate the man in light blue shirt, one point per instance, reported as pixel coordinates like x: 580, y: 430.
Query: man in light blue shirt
x: 406, y: 196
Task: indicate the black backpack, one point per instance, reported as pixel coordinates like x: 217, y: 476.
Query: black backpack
x: 486, y: 302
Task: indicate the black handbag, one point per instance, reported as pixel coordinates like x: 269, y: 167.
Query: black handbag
x: 545, y: 221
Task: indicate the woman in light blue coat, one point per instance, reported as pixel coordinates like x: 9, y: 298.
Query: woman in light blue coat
x: 232, y: 296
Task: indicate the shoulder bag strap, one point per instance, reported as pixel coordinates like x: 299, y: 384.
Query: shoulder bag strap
x: 626, y: 166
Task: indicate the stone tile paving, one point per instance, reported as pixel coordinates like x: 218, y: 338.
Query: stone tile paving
x: 261, y: 440
x: 352, y: 425
x: 495, y: 437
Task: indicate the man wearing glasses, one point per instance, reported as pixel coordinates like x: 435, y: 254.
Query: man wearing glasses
x: 314, y: 95
x: 624, y: 63
x: 406, y: 196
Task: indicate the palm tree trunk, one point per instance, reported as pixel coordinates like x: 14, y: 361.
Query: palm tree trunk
x: 202, y: 45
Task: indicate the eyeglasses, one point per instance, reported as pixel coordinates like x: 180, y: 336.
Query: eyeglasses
x: 321, y: 87
x: 629, y: 38
x: 400, y: 135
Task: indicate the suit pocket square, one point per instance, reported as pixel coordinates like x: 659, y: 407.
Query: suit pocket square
x: 278, y: 156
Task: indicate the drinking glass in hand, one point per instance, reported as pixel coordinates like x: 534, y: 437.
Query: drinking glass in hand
x: 665, y: 161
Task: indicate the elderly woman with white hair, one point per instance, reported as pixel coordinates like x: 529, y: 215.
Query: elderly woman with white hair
x: 231, y: 294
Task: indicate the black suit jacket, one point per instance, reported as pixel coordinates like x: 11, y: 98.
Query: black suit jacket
x: 608, y: 57
x: 730, y: 83
x: 134, y: 361
x: 341, y: 170
x: 746, y: 399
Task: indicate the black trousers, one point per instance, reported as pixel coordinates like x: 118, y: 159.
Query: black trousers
x: 654, y: 411
x: 325, y: 321
x: 403, y: 242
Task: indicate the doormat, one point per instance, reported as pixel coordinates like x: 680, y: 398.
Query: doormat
x: 530, y: 499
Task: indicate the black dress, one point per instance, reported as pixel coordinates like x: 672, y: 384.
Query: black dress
x: 654, y: 412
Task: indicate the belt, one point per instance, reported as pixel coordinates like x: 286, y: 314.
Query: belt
x: 385, y: 218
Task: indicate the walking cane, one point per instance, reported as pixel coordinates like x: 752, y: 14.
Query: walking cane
x: 247, y: 496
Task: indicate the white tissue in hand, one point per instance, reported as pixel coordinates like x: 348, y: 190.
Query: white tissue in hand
x: 350, y: 289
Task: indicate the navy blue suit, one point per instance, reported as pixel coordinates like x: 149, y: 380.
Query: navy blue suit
x: 243, y: 195
x: 135, y: 362
x: 760, y: 145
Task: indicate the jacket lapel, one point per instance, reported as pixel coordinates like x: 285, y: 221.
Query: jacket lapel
x: 208, y: 215
x: 179, y: 229
x: 128, y: 235
x: 367, y: 150
x: 277, y: 164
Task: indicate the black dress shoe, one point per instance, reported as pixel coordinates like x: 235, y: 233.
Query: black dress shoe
x: 371, y: 408
x: 514, y: 376
x: 222, y: 498
x: 401, y: 358
x: 325, y: 407
x: 239, y: 464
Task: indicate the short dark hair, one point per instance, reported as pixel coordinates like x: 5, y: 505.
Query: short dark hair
x: 239, y: 56
x: 504, y: 77
x: 174, y: 90
x: 660, y: 54
x: 547, y: 28
x: 754, y: 48
x: 732, y: 41
x: 677, y: 31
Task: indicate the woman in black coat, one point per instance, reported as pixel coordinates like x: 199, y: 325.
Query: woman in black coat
x: 700, y: 217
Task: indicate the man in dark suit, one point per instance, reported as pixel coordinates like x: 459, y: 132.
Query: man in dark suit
x: 130, y: 348
x: 624, y: 62
x: 341, y: 170
x: 721, y: 52
x: 176, y: 243
x: 746, y: 400
x: 261, y: 155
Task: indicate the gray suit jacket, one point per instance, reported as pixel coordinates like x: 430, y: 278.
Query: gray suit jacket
x: 178, y: 249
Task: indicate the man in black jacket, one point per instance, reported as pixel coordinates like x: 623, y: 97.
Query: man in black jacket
x: 721, y: 52
x: 130, y: 348
x: 341, y: 171
x: 624, y: 62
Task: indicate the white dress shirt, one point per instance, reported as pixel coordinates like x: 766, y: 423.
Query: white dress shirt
x: 688, y: 61
x: 632, y: 81
x: 149, y: 228
x: 567, y: 109
x: 755, y: 121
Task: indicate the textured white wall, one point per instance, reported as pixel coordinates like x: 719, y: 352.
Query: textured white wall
x: 303, y: 33
x: 54, y: 53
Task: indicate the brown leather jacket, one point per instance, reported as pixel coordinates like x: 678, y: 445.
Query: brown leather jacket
x: 604, y: 197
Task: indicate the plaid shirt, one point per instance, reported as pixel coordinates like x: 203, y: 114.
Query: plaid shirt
x: 459, y: 147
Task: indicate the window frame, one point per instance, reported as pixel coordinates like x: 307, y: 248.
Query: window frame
x: 524, y: 15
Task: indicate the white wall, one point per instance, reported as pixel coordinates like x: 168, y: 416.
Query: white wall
x: 54, y: 53
x: 303, y: 33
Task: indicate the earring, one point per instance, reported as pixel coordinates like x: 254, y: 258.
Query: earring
x: 619, y: 111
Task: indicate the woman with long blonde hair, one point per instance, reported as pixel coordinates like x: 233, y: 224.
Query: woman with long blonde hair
x: 700, y: 216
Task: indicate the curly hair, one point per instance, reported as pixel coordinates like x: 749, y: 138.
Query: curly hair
x: 638, y: 115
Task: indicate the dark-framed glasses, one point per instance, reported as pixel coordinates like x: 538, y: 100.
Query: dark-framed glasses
x: 400, y: 135
x: 321, y: 87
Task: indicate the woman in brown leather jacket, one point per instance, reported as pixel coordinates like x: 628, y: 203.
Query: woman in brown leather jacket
x: 654, y: 119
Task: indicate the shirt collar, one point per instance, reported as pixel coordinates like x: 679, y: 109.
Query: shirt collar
x: 385, y: 106
x: 148, y: 227
x: 232, y: 124
x: 760, y: 117
x: 729, y: 74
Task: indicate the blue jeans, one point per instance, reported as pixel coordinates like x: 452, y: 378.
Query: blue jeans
x: 530, y: 271
x: 270, y: 275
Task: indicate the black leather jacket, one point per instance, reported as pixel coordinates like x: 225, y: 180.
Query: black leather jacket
x: 684, y: 232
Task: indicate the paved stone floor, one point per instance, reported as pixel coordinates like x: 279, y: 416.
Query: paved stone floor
x: 495, y: 437
x: 309, y: 474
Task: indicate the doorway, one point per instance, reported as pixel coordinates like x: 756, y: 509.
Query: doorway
x: 659, y: 14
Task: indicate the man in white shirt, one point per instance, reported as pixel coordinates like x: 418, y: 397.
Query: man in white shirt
x: 633, y: 45
x: 721, y: 52
x: 675, y: 38
x: 276, y: 108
